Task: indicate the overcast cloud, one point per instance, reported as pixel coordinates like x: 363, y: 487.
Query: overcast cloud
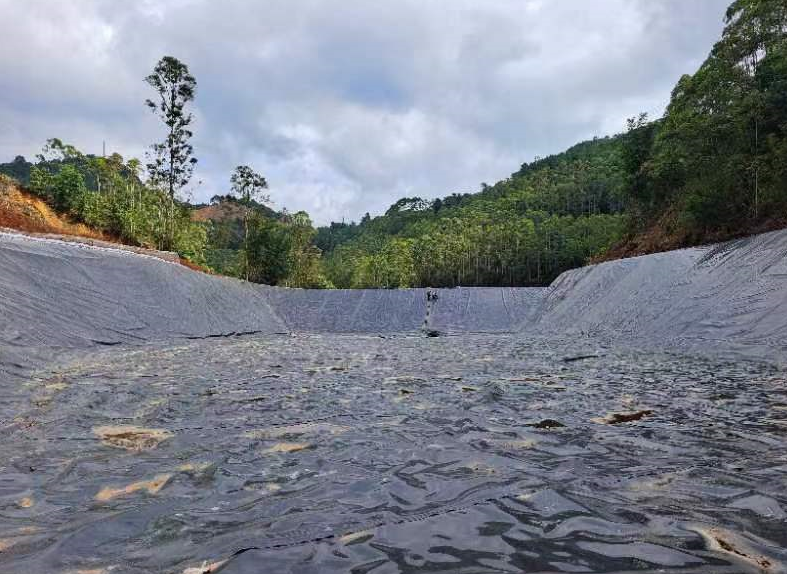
x: 347, y: 105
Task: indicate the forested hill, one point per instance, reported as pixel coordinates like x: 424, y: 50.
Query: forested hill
x: 551, y: 215
x: 714, y: 167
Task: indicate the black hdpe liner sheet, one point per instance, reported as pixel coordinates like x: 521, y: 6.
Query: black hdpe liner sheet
x: 353, y: 453
x: 141, y: 433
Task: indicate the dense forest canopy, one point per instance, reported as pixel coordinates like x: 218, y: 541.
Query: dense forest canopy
x: 713, y: 167
x: 551, y: 215
x: 716, y: 165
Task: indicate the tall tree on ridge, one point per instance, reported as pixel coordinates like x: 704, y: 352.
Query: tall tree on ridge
x: 248, y: 185
x: 171, y: 161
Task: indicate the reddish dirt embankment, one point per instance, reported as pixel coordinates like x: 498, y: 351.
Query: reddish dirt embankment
x: 23, y: 212
x: 224, y: 211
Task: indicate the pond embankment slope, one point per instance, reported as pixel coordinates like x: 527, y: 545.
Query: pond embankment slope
x: 56, y: 295
x: 730, y: 297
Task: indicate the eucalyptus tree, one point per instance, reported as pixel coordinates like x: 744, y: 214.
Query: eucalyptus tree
x: 248, y: 186
x: 171, y: 161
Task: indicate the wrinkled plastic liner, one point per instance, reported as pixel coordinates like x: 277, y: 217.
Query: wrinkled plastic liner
x: 353, y: 453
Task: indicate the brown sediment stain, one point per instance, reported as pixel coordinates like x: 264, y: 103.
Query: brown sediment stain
x: 25, y: 422
x: 7, y: 544
x: 131, y: 437
x: 721, y: 540
x: 356, y: 537
x: 296, y: 430
x: 618, y: 418
x: 152, y: 486
x: 287, y: 447
x: 206, y: 568
x: 25, y: 502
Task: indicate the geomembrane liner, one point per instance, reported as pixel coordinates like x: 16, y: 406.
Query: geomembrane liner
x: 631, y: 417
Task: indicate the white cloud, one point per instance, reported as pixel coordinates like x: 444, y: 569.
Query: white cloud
x: 347, y: 106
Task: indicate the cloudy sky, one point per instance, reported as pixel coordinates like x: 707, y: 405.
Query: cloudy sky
x: 347, y: 105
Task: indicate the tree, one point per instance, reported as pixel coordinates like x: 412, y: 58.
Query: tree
x: 65, y: 190
x: 305, y: 271
x: 19, y: 169
x: 715, y: 161
x: 637, y: 146
x: 523, y: 230
x: 270, y: 245
x: 248, y: 185
x: 171, y: 162
x: 106, y: 194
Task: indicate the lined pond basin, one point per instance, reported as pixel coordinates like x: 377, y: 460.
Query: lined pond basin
x: 341, y: 453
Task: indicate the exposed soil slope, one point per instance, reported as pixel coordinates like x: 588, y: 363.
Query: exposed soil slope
x: 224, y: 211
x: 23, y: 211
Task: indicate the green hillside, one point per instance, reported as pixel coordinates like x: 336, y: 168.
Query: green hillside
x: 551, y: 215
x: 714, y: 167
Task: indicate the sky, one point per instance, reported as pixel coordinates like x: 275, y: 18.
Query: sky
x: 346, y: 106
